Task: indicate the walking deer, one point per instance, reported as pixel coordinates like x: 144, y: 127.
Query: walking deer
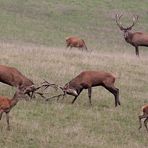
x: 136, y: 39
x: 7, y: 104
x: 87, y: 80
x: 144, y: 115
x: 75, y: 42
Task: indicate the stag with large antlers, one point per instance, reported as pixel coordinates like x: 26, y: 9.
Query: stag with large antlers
x: 87, y: 80
x: 134, y: 38
x: 13, y: 77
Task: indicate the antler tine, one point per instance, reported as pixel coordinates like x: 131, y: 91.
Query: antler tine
x: 117, y: 18
x: 46, y: 84
x: 135, y: 19
x: 41, y: 94
x: 56, y: 96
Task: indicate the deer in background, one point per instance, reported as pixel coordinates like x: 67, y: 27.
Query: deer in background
x: 87, y: 80
x: 13, y: 77
x: 136, y: 39
x: 75, y: 42
x: 7, y: 104
x: 144, y: 115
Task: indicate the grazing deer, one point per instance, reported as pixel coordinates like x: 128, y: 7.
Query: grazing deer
x: 87, y: 80
x: 144, y: 115
x: 13, y: 77
x: 75, y: 42
x: 7, y: 104
x: 134, y: 38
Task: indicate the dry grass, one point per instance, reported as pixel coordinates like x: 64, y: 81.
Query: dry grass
x: 60, y: 124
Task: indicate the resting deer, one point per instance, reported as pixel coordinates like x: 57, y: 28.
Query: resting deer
x: 134, y: 38
x: 87, y: 80
x: 13, y: 77
x: 7, y: 104
x: 144, y: 115
x: 76, y: 42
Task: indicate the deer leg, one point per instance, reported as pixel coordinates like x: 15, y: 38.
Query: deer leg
x: 74, y: 99
x: 76, y: 96
x: 1, y: 113
x: 137, y: 51
x: 89, y: 95
x: 145, y: 123
x: 7, y: 119
x: 140, y: 118
x: 32, y: 95
x: 115, y: 92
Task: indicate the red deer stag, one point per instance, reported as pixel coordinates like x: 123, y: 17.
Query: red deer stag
x: 75, y: 42
x: 144, y: 115
x: 87, y: 80
x: 134, y: 38
x: 7, y: 104
x: 12, y: 77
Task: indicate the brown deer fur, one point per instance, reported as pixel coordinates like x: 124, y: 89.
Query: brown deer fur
x: 136, y: 39
x: 144, y: 115
x: 75, y: 42
x: 12, y: 77
x: 7, y: 104
x: 89, y: 79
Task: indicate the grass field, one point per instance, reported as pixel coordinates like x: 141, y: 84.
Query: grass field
x: 32, y: 39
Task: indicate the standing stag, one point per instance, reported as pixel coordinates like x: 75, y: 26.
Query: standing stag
x: 134, y: 38
x: 13, y: 77
x: 7, y: 104
x: 75, y: 42
x: 87, y: 80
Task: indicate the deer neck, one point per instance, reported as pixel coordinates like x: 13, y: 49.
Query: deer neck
x: 14, y: 100
x: 128, y: 36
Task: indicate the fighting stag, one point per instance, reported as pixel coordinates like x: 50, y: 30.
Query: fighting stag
x: 87, y: 80
x: 11, y: 76
x: 136, y: 39
x: 75, y: 42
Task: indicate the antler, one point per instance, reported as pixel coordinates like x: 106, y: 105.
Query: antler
x: 45, y: 85
x: 117, y: 18
x: 135, y: 19
x: 58, y: 96
x: 33, y: 90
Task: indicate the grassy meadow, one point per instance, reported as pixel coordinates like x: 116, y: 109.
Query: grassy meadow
x: 32, y: 39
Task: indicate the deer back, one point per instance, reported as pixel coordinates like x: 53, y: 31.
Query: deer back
x: 91, y: 78
x: 13, y: 77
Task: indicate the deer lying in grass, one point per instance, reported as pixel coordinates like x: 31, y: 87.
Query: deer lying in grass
x: 144, y: 115
x: 7, y: 104
x: 13, y: 77
x: 136, y: 39
x: 87, y: 80
x: 75, y: 42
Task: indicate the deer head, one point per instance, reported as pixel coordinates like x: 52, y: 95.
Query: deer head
x: 125, y: 29
x: 67, y: 90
